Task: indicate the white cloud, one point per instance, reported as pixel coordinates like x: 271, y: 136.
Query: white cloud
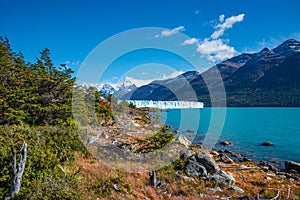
x: 227, y: 24
x: 196, y: 12
x: 190, y: 41
x: 215, y: 50
x: 167, y: 33
x: 71, y: 64
x: 221, y: 18
x: 141, y: 82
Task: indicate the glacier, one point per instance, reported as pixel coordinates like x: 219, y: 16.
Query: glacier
x: 165, y: 104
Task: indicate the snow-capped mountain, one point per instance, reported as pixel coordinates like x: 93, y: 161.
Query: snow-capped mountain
x: 107, y: 90
x: 118, y: 91
x: 288, y: 48
x: 124, y: 88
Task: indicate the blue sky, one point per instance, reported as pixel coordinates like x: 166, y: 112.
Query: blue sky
x: 72, y: 29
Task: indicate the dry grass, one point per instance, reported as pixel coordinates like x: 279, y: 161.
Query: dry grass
x: 96, y: 181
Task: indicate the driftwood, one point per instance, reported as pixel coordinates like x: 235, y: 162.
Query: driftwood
x: 274, y: 198
x: 16, y: 176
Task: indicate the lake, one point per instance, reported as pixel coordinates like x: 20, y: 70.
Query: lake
x: 247, y: 128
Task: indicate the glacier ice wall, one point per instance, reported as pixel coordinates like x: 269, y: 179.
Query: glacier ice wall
x: 165, y: 104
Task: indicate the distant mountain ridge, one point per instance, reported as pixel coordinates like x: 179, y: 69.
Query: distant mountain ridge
x: 270, y: 77
x: 119, y: 91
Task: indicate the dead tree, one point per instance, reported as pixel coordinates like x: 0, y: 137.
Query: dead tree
x: 16, y: 175
x: 153, y: 180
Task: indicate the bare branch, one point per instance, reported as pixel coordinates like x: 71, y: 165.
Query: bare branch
x: 289, y: 192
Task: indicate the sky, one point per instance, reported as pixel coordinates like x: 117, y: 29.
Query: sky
x: 191, y: 34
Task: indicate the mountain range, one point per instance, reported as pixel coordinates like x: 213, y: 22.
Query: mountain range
x: 269, y: 78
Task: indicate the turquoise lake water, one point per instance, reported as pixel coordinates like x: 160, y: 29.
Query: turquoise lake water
x: 247, y: 128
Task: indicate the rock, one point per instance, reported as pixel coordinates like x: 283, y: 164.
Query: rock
x: 267, y: 144
x: 160, y: 184
x: 244, y: 159
x: 228, y: 151
x: 132, y: 147
x: 246, y: 198
x: 183, y: 177
x: 223, y: 178
x: 215, y: 189
x: 185, y: 154
x: 190, y: 131
x: 194, y: 169
x: 225, y: 159
x: 237, y: 189
x: 267, y: 166
x: 226, y: 143
x: 184, y: 140
x: 268, y: 178
x: 177, y: 131
x: 290, y: 165
x: 237, y: 155
x: 273, y: 168
x: 215, y: 153
x: 104, y: 135
x: 206, y: 160
x: 116, y: 187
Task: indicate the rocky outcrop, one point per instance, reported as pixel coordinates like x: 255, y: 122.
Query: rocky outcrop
x: 290, y: 165
x: 195, y: 169
x: 207, y: 161
x: 186, y: 154
x: 223, y: 178
x: 184, y: 140
x: 225, y: 159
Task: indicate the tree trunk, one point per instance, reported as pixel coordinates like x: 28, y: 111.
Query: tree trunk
x: 153, y: 180
x: 18, y: 171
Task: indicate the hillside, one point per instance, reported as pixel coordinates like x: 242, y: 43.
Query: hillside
x: 266, y: 78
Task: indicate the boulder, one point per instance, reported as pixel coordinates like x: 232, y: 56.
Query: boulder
x: 184, y: 140
x: 207, y: 161
x: 290, y: 165
x: 223, y: 178
x: 194, y: 169
x: 225, y: 159
x: 226, y: 143
x: 185, y: 154
x: 267, y: 144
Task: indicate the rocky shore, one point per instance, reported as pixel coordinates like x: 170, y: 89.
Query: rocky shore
x: 222, y: 174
